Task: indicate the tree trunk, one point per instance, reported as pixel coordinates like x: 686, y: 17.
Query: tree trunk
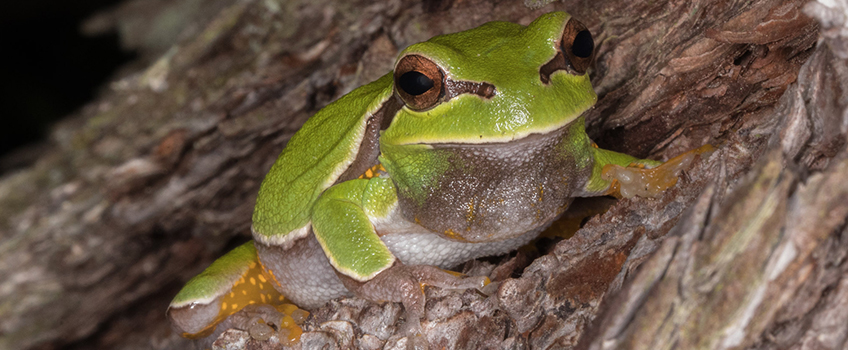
x: 144, y: 187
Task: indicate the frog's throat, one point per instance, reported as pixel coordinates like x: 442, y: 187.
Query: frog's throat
x: 496, y: 191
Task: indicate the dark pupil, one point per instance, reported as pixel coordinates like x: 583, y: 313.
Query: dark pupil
x: 415, y: 83
x: 583, y: 44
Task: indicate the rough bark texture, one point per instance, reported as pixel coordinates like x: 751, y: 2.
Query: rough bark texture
x: 146, y: 186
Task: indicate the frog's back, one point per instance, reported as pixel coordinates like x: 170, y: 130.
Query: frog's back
x: 312, y: 161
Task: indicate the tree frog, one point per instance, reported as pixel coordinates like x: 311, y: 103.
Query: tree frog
x: 472, y: 145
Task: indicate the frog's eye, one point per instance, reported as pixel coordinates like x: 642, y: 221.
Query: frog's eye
x: 419, y: 82
x: 574, y: 54
x: 577, y: 46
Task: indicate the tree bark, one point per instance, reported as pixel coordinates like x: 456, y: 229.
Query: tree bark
x: 148, y: 184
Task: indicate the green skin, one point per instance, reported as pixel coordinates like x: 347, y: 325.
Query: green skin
x: 306, y: 194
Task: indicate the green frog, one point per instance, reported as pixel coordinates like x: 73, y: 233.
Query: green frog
x: 472, y: 145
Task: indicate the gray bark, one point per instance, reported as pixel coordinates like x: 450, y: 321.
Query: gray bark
x: 148, y: 184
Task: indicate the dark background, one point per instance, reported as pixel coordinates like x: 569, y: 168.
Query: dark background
x: 48, y: 68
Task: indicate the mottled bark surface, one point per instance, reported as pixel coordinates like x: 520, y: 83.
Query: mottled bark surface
x: 148, y: 184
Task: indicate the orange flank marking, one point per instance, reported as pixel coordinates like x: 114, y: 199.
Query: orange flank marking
x: 373, y: 171
x: 269, y: 273
x: 243, y: 294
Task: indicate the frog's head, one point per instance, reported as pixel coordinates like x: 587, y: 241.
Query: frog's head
x: 486, y: 146
x: 495, y: 83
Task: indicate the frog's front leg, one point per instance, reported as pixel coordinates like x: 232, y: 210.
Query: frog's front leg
x: 626, y: 176
x: 342, y: 223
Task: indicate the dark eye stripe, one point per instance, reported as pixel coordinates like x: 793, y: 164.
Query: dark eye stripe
x: 421, y: 84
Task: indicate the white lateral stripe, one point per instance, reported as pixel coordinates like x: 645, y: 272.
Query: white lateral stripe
x: 282, y: 240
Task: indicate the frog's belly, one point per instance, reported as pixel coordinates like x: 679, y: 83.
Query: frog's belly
x: 415, y: 245
x: 304, y: 274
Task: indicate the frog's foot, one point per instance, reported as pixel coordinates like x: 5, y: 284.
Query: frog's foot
x: 636, y: 180
x: 405, y: 284
x: 231, y: 283
x: 263, y: 322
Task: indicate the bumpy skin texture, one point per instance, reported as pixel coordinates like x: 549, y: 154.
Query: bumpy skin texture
x: 309, y: 279
x: 476, y: 162
x: 494, y: 192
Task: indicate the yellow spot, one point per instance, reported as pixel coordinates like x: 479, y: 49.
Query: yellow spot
x: 469, y: 215
x: 450, y: 233
x: 262, y: 278
x: 244, y: 291
x: 263, y: 298
x: 541, y: 192
x: 252, y: 265
x: 232, y: 295
x: 234, y: 307
x: 267, y: 272
x: 223, y: 306
x: 261, y: 286
x: 251, y: 302
x: 281, y: 298
x: 372, y: 172
x: 253, y: 281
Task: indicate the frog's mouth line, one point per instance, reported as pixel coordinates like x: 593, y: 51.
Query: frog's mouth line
x: 531, y: 138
